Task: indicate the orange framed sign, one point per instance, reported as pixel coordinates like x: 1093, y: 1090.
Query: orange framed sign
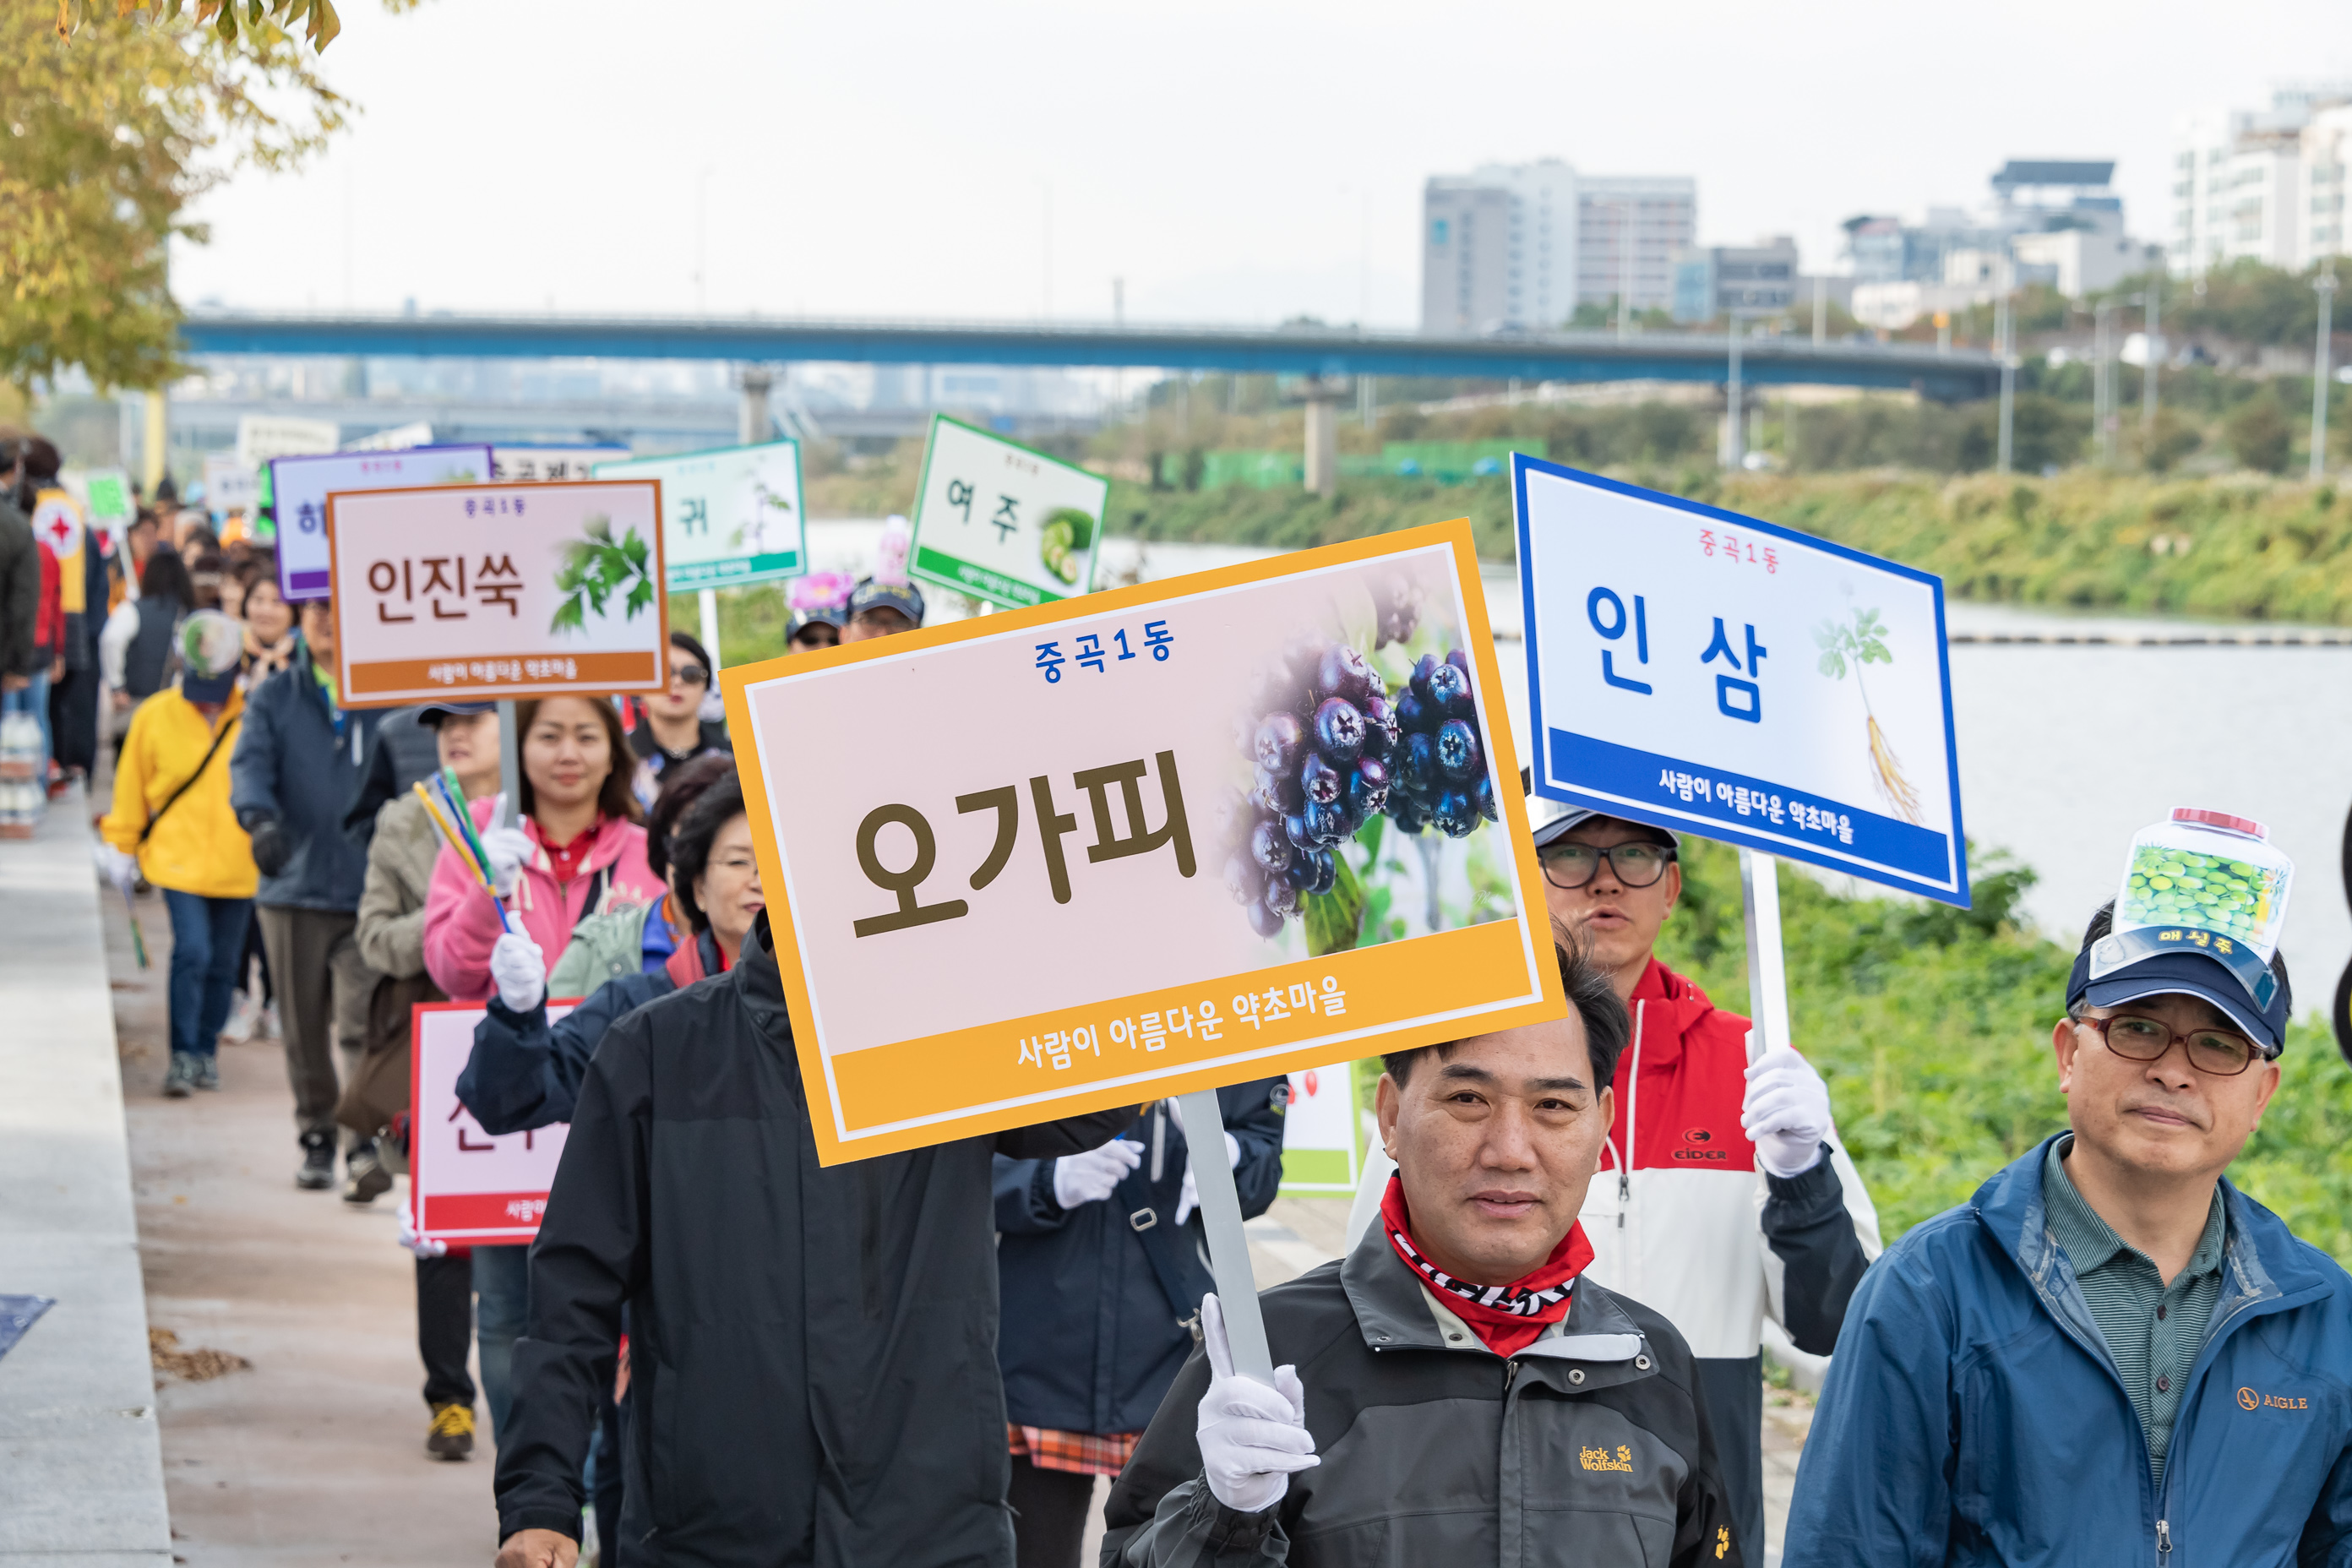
x: 1149, y: 840
x: 498, y: 591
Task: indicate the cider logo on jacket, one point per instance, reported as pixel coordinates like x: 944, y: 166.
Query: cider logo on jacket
x: 1701, y: 1146
x: 1600, y: 1459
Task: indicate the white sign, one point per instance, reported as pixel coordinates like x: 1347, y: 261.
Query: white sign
x: 1322, y: 1133
x: 399, y: 438
x: 300, y: 488
x: 729, y: 516
x: 466, y: 1187
x: 230, y: 486
x: 1729, y: 677
x: 262, y: 437
x: 998, y: 521
x: 517, y: 463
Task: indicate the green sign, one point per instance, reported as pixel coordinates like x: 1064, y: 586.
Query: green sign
x: 1002, y: 523
x: 729, y: 516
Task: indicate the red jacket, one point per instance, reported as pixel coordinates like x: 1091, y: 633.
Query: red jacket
x: 50, y: 621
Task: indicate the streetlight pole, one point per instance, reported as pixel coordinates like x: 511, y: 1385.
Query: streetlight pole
x: 2100, y: 401
x: 2325, y: 286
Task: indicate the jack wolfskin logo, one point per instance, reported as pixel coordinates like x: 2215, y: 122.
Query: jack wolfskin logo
x: 1722, y: 1541
x: 2249, y: 1400
x: 1598, y: 1459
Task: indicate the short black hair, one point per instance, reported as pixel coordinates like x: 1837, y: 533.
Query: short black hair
x: 689, y: 848
x: 1607, y: 1028
x: 2103, y: 924
x: 682, y: 784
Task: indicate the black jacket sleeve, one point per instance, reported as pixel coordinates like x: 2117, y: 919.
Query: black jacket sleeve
x: 1810, y: 1231
x: 590, y: 1257
x: 20, y: 592
x: 1070, y: 1135
x: 1251, y: 1117
x: 524, y: 1074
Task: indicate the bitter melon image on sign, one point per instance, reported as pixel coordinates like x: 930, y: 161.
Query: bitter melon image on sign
x: 1064, y: 543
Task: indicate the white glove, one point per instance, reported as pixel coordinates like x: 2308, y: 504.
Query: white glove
x: 509, y: 850
x: 1786, y: 1112
x: 116, y: 867
x: 418, y: 1244
x: 519, y: 971
x: 1190, y: 1198
x: 1088, y: 1178
x: 1252, y: 1437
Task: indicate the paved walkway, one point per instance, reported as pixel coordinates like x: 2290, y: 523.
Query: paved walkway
x: 315, y: 1453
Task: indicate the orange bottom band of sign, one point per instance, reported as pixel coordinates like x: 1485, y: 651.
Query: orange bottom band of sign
x: 1480, y: 966
x: 590, y: 671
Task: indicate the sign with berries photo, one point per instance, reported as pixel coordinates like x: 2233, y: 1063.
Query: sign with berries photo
x: 1161, y: 839
x: 1002, y: 523
x: 1719, y: 675
x: 498, y: 591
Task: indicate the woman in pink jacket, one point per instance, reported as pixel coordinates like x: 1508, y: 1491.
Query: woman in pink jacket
x: 579, y: 849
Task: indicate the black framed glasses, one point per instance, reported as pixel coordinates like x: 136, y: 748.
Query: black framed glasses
x: 1637, y: 865
x: 2218, y: 1052
x: 692, y: 674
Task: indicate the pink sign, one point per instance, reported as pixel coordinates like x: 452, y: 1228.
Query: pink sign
x: 467, y: 1187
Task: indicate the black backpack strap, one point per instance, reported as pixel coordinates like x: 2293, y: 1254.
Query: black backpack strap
x: 186, y: 784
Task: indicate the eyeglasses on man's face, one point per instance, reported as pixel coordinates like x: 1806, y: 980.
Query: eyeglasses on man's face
x: 1637, y: 865
x: 2220, y: 1053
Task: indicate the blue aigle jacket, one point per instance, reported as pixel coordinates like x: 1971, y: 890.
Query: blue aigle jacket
x: 1097, y: 1299
x: 1973, y: 1415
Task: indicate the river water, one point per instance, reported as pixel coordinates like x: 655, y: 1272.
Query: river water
x: 2067, y: 749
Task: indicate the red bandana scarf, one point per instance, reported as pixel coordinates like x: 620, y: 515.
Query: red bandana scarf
x: 1509, y: 1317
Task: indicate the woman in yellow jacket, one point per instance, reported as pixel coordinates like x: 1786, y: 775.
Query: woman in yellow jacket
x: 171, y: 822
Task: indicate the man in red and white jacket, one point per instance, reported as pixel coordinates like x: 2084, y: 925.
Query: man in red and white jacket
x: 1723, y: 1197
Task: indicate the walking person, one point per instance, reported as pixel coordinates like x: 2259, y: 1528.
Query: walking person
x: 2109, y: 1353
x: 579, y: 848
x: 677, y: 724
x: 135, y: 650
x: 297, y: 766
x: 24, y: 590
x: 391, y: 937
x: 1101, y: 1274
x: 172, y: 823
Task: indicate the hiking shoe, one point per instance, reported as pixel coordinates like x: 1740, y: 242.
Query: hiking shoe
x: 271, y: 1024
x: 451, y: 1436
x: 207, y: 1072
x: 318, y: 1172
x: 180, y: 1078
x: 365, y: 1177
x: 243, y: 1017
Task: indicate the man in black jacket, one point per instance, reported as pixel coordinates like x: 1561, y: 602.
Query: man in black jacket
x: 1459, y: 1394
x: 812, y: 1351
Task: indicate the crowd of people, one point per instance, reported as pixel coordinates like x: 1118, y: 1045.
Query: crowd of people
x: 1542, y: 1345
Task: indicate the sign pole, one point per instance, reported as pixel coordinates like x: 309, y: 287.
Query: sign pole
x: 1768, y: 976
x: 510, y: 762
x: 1221, y: 1216
x: 706, y: 600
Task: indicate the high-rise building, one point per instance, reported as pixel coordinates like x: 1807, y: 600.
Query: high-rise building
x: 1722, y: 279
x: 2265, y: 184
x: 1523, y: 244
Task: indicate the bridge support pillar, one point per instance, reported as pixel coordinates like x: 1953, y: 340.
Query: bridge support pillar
x: 753, y: 423
x: 1323, y: 440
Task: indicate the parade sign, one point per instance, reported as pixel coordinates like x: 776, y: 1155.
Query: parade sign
x: 995, y: 520
x: 498, y: 591
x: 465, y: 1187
x: 1322, y: 1133
x: 300, y: 487
x: 511, y: 464
x: 1718, y: 675
x: 729, y: 516
x: 230, y: 486
x: 1088, y: 855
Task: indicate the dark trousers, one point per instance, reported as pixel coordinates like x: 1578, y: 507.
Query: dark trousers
x: 1050, y: 1508
x: 207, y: 939
x: 323, y: 985
x: 444, y: 1327
x: 73, y: 715
x: 610, y: 1442
x: 1734, y: 1391
x: 502, y: 1279
x: 256, y: 952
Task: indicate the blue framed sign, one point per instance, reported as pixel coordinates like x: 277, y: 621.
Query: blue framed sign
x: 1718, y: 675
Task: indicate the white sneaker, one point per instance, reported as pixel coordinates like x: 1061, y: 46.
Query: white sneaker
x: 269, y: 1024
x: 243, y: 1017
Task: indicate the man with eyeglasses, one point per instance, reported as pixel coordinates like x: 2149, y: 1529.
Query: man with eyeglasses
x: 2109, y: 1353
x: 1677, y: 1216
x: 882, y: 609
x: 675, y: 730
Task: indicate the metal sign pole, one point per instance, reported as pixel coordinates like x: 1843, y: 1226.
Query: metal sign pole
x: 706, y: 600
x: 1768, y: 976
x: 509, y: 764
x: 1221, y: 1216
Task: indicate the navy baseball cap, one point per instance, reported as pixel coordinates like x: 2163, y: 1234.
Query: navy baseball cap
x: 903, y: 597
x: 1552, y: 819
x: 2115, y: 968
x: 833, y: 615
x: 432, y: 713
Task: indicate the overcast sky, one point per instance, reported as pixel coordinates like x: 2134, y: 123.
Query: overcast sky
x: 1232, y: 162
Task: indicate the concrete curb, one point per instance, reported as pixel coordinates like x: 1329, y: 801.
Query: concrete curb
x: 81, y: 1471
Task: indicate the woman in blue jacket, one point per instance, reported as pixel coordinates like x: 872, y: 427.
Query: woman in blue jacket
x: 1102, y: 1270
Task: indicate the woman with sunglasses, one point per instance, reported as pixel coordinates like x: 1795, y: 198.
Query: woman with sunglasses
x: 680, y: 724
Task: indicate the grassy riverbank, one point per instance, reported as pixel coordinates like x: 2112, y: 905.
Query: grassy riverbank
x: 1932, y: 1026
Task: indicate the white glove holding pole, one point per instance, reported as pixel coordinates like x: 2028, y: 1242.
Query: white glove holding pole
x: 1189, y: 1199
x: 418, y: 1244
x: 519, y: 969
x: 509, y: 850
x: 1090, y: 1177
x: 117, y: 868
x: 1786, y: 1111
x: 1252, y: 1438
